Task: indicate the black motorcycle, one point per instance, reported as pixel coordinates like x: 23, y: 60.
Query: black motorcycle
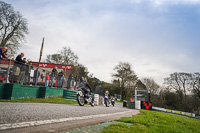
x: 113, y: 101
x: 106, y: 101
x: 84, y: 97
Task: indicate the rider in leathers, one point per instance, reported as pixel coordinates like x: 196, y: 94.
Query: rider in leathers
x: 84, y: 85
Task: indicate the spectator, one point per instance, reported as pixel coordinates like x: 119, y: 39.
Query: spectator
x: 47, y: 78
x: 22, y: 72
x: 54, y: 73
x: 69, y: 81
x: 60, y: 79
x: 3, y: 53
x: 36, y: 76
x: 29, y: 67
x: 16, y: 67
x: 11, y: 73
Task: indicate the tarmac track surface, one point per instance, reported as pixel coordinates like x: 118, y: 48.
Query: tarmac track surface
x: 43, y: 117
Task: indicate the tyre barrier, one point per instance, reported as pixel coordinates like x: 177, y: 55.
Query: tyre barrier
x: 69, y: 94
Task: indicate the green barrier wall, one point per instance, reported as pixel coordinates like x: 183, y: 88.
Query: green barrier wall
x: 1, y: 91
x: 53, y: 92
x: 131, y: 105
x: 17, y: 91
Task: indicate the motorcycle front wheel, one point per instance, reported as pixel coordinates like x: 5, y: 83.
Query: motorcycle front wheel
x: 81, y: 100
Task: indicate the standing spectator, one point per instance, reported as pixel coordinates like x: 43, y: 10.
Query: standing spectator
x: 54, y: 73
x: 36, y: 76
x: 63, y: 81
x: 3, y: 53
x: 27, y: 74
x: 11, y: 73
x: 60, y: 78
x: 47, y: 78
x: 69, y: 81
x: 22, y: 72
x: 16, y: 67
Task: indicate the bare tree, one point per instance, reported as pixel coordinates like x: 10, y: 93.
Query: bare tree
x: 151, y: 84
x: 125, y: 75
x: 13, y: 27
x: 195, y: 84
x: 180, y: 82
x: 65, y: 56
x: 54, y: 58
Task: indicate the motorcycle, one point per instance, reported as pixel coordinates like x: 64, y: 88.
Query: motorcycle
x: 113, y: 101
x: 82, y: 98
x: 106, y: 101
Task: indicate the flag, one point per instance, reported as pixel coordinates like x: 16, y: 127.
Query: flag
x: 41, y: 50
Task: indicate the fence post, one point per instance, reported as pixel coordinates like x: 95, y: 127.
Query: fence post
x: 7, y: 78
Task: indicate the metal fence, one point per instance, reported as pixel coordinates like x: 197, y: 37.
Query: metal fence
x: 29, y: 74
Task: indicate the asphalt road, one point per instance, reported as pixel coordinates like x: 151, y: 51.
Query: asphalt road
x: 23, y: 112
x: 14, y: 114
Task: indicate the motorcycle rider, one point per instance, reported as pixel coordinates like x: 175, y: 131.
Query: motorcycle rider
x: 85, y: 86
x: 107, y: 94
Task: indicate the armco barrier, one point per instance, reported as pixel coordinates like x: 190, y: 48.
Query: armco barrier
x: 174, y: 112
x: 17, y: 91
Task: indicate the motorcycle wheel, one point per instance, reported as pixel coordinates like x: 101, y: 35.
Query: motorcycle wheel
x: 92, y: 102
x: 81, y: 100
x: 107, y: 104
x: 113, y: 104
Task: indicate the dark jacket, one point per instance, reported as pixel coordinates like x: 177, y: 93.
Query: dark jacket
x: 60, y: 74
x: 19, y: 61
x: 54, y: 72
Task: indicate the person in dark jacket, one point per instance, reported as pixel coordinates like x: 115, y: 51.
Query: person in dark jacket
x: 3, y: 53
x: 54, y: 73
x: 16, y: 68
x: 22, y: 72
x: 36, y: 76
x: 60, y: 79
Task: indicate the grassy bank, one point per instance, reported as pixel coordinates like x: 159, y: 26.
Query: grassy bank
x: 155, y: 122
x: 57, y: 100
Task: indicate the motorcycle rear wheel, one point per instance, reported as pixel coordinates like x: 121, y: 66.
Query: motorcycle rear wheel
x: 92, y: 102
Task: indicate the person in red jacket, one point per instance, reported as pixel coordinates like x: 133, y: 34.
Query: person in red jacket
x: 47, y: 78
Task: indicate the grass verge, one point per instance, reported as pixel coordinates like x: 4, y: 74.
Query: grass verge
x: 118, y: 101
x: 155, y: 122
x: 57, y: 100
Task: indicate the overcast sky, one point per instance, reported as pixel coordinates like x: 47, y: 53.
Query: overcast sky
x: 157, y: 37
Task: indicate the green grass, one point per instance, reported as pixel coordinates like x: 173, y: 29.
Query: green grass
x: 155, y: 122
x: 57, y: 100
x: 118, y: 101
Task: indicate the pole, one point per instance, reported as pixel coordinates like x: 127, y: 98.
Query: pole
x: 7, y: 79
x: 149, y: 95
x: 36, y: 78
